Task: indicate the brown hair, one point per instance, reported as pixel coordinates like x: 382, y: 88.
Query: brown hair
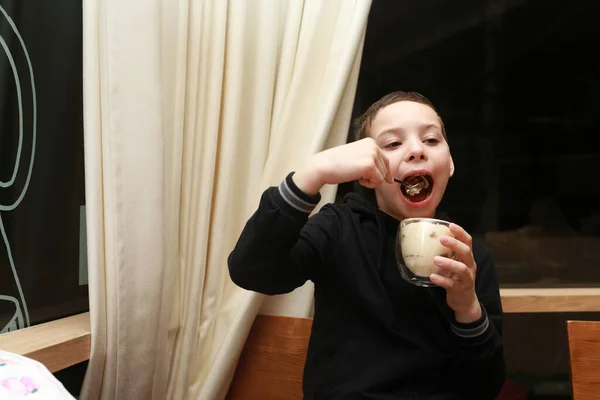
x: 363, y: 123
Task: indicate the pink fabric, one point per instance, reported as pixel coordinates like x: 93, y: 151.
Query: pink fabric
x: 22, y: 377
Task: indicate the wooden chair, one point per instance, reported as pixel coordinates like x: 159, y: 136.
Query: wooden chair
x: 584, y: 354
x: 271, y: 365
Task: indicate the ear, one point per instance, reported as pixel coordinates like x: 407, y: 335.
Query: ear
x: 451, y: 166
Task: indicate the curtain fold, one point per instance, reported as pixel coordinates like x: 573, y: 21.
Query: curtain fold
x: 124, y: 160
x: 192, y: 109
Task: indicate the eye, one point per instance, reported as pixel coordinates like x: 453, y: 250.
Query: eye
x: 431, y: 141
x: 392, y: 145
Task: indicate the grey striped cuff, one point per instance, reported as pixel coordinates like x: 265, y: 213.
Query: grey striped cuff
x: 470, y: 333
x: 294, y: 200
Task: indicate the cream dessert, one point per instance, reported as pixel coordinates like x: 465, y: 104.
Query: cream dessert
x: 416, y: 184
x: 420, y: 243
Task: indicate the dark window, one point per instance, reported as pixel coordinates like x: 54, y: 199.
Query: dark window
x: 518, y: 86
x: 43, y: 269
x: 517, y: 83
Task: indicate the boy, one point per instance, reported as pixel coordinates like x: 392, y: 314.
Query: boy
x: 374, y: 335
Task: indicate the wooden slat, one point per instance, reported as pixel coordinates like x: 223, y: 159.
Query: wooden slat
x: 584, y: 353
x: 57, y: 344
x: 271, y: 365
x: 550, y: 300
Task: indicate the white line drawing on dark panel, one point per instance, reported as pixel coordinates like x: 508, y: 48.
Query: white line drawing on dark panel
x: 17, y: 321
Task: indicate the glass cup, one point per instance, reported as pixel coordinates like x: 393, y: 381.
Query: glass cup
x: 417, y: 244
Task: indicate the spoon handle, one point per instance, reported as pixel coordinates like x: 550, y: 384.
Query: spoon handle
x: 401, y: 182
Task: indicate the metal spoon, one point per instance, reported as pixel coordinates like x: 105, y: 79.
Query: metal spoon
x: 402, y: 182
x: 423, y: 182
x: 414, y: 188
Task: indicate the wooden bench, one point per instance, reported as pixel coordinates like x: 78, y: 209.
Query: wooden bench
x: 584, y: 354
x: 272, y: 362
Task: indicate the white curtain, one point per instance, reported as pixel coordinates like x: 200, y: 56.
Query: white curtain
x: 124, y: 158
x: 192, y: 109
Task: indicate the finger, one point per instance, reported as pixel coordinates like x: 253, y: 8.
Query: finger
x: 455, y: 267
x: 368, y: 183
x: 459, y: 248
x: 387, y: 171
x: 381, y: 166
x: 373, y: 179
x: 461, y: 234
x: 446, y: 283
x: 377, y: 173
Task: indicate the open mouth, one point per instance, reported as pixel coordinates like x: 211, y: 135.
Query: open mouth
x: 419, y: 189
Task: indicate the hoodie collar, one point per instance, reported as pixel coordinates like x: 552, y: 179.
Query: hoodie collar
x: 391, y: 223
x: 364, y: 206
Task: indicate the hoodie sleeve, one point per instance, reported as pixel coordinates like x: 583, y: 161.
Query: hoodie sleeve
x: 480, y: 343
x: 280, y: 247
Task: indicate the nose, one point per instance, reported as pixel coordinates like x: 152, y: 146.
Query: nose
x: 415, y: 151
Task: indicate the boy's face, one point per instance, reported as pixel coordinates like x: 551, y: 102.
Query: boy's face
x: 410, y: 135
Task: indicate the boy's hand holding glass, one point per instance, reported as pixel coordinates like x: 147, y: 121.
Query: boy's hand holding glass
x: 460, y: 280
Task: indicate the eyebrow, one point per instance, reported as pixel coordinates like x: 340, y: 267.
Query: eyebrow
x: 397, y: 130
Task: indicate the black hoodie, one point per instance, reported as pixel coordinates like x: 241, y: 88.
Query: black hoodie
x: 374, y: 335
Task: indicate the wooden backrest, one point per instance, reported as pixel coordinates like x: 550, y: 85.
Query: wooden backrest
x: 584, y: 354
x: 271, y: 365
